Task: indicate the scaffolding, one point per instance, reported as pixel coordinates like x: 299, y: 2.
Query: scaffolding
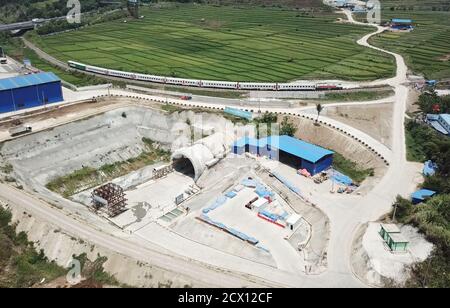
x: 111, y: 197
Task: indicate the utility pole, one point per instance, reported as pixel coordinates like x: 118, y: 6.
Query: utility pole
x: 395, y: 210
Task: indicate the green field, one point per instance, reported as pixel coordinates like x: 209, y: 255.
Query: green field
x: 427, y: 48
x: 226, y: 43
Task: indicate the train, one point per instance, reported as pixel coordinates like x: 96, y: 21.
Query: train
x: 231, y: 85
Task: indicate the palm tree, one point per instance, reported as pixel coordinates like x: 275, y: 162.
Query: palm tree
x: 319, y: 109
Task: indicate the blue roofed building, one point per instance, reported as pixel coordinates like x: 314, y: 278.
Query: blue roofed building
x: 401, y: 24
x: 422, y: 195
x: 288, y: 150
x: 29, y: 91
x: 440, y: 122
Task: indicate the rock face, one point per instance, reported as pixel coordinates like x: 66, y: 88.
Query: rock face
x: 59, y: 246
x: 104, y: 139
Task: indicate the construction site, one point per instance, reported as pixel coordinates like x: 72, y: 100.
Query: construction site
x: 175, y: 179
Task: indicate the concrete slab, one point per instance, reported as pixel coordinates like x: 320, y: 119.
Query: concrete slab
x: 235, y: 215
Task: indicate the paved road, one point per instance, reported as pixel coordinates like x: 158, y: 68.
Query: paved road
x: 345, y: 216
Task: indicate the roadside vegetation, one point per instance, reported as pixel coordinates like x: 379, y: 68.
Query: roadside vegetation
x: 422, y: 140
x: 351, y: 169
x: 21, y: 266
x: 366, y: 95
x: 89, y: 177
x: 226, y: 42
x: 432, y: 217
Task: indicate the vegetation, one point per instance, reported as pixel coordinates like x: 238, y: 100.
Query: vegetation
x: 94, y: 274
x: 351, y: 169
x: 21, y: 265
x: 365, y: 95
x: 432, y: 217
x: 287, y: 127
x: 15, y: 49
x: 422, y: 141
x: 427, y: 48
x: 226, y: 43
x: 88, y: 177
x: 264, y: 124
x: 319, y: 109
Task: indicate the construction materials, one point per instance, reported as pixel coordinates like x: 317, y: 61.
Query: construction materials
x: 162, y: 171
x: 304, y: 172
x: 218, y: 202
x: 231, y: 231
x: 260, y: 204
x: 111, y: 197
x: 249, y: 205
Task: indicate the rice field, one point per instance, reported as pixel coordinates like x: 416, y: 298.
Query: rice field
x: 427, y: 48
x: 226, y: 43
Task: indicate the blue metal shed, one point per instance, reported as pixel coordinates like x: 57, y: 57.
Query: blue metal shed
x: 29, y: 91
x: 298, y: 153
x: 421, y: 195
x: 401, y: 21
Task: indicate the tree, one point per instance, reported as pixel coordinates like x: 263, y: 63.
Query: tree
x: 287, y: 127
x: 319, y: 109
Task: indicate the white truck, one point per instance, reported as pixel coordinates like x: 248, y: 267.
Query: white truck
x: 19, y: 130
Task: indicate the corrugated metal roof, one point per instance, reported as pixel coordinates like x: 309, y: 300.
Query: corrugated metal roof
x: 445, y: 117
x: 27, y: 80
x: 401, y: 20
x: 291, y: 145
x: 299, y: 148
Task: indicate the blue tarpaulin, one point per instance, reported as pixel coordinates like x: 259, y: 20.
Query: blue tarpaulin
x: 219, y: 201
x: 250, y: 183
x: 341, y: 178
x: 422, y: 195
x: 429, y: 168
x: 263, y: 192
x: 269, y: 215
x: 239, y: 113
x: 232, y: 231
x: 231, y: 194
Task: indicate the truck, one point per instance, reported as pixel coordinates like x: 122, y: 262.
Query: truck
x: 19, y: 130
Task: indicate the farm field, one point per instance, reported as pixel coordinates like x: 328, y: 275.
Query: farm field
x: 427, y: 48
x: 226, y: 43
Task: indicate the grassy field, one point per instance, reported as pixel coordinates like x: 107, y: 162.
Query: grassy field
x: 427, y: 48
x: 226, y: 43
x: 15, y: 49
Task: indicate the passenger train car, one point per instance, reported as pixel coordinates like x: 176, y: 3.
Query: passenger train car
x: 207, y: 83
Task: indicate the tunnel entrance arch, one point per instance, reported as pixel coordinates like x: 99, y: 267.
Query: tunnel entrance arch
x: 184, y: 165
